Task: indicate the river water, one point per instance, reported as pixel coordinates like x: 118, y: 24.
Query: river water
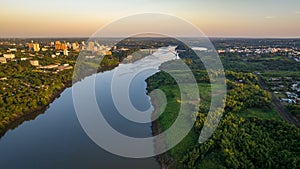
x: 55, y: 138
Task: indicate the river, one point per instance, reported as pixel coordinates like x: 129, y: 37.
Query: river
x: 55, y: 138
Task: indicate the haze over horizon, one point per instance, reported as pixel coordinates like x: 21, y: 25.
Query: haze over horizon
x: 216, y: 18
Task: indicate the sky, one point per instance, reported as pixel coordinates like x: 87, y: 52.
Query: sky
x: 216, y: 18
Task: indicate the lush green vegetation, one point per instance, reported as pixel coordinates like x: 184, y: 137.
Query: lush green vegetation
x: 280, y: 83
x: 250, y: 135
x: 237, y: 63
x: 262, y: 113
x: 247, y: 143
x: 26, y: 89
x: 294, y: 109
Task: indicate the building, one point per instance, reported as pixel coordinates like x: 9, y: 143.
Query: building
x: 63, y: 46
x: 34, y: 62
x: 36, y: 47
x: 60, y: 46
x: 95, y: 48
x: 90, y: 46
x: 11, y: 50
x: 44, y: 49
x: 3, y: 60
x: 57, y: 45
x: 23, y: 59
x: 69, y: 45
x: 30, y: 46
x: 288, y: 100
x: 53, y: 66
x: 221, y: 51
x: 108, y: 53
x: 9, y: 56
x: 66, y: 52
x: 75, y: 46
x: 64, y: 67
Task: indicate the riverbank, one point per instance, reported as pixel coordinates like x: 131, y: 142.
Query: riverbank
x: 33, y: 113
x: 165, y: 161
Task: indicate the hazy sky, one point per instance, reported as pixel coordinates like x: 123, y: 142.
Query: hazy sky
x: 246, y: 18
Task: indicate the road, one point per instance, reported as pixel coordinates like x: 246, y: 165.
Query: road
x: 279, y: 107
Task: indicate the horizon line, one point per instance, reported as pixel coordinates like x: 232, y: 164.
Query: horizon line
x: 87, y: 37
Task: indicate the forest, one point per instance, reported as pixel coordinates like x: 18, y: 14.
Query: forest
x: 25, y: 90
x: 240, y: 141
x: 251, y: 133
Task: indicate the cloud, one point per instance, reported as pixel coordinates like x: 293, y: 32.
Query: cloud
x: 269, y: 17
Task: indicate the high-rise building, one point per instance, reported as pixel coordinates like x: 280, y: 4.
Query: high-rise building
x: 60, y: 46
x: 30, y: 46
x: 57, y: 45
x: 69, y: 45
x: 95, y: 48
x: 90, y: 46
x: 63, y: 46
x: 36, y: 47
x: 75, y: 46
x: 66, y: 52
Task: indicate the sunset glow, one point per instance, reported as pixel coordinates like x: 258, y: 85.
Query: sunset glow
x: 264, y: 18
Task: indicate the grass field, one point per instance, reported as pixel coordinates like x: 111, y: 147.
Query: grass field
x: 171, y: 112
x: 270, y: 114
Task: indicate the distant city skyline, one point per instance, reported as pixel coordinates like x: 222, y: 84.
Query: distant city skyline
x: 216, y: 18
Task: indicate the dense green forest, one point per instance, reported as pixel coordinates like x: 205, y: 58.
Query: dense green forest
x: 260, y: 140
x: 251, y: 133
x: 26, y: 90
